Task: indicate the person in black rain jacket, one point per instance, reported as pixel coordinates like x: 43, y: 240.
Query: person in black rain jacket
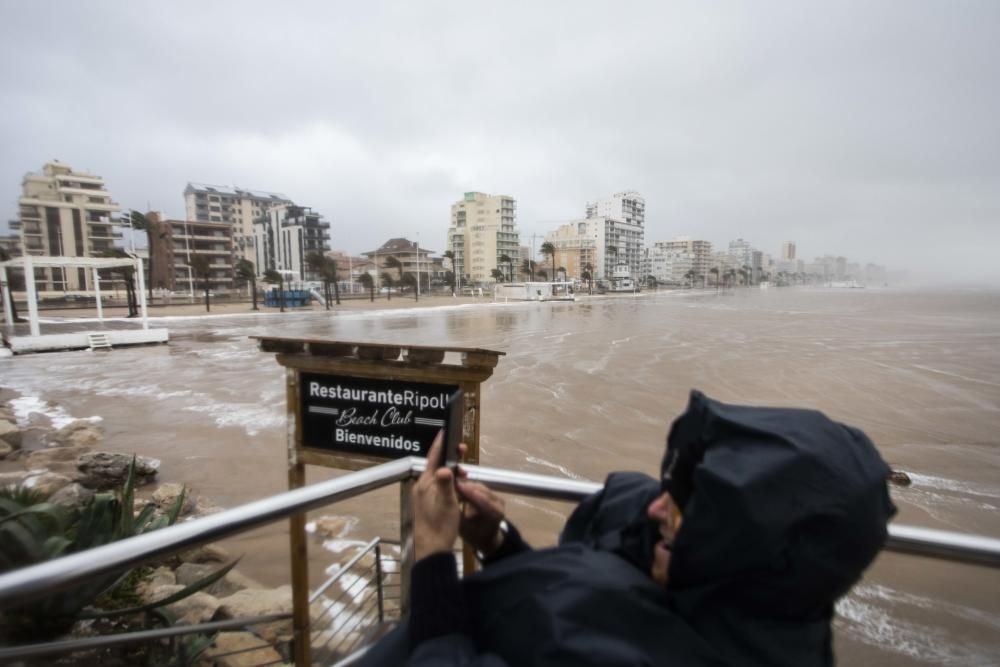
x: 761, y: 519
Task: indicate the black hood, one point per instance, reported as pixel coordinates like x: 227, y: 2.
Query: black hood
x: 783, y: 508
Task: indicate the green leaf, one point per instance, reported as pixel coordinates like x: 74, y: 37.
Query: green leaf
x: 175, y: 510
x: 147, y: 513
x: 188, y: 590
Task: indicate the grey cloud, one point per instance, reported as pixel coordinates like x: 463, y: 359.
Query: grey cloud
x: 865, y: 129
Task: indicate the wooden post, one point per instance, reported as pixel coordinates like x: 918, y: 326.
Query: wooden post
x: 405, y: 544
x: 299, y: 551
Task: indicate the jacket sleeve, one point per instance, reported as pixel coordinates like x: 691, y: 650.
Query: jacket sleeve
x: 512, y: 544
x: 438, y: 624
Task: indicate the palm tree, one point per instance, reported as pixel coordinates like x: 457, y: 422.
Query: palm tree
x: 127, y: 274
x: 410, y: 280
x: 5, y: 256
x: 388, y: 282
x: 368, y: 282
x: 497, y: 275
x: 588, y: 275
x: 690, y: 276
x: 451, y: 257
x: 651, y: 281
x: 730, y: 276
x: 550, y: 250
x: 154, y: 234
x: 330, y: 276
x: 541, y: 273
x: 528, y: 268
x: 747, y: 273
x: 505, y: 259
x: 201, y: 268
x: 245, y: 271
x: 715, y: 270
x: 392, y: 262
x: 273, y: 277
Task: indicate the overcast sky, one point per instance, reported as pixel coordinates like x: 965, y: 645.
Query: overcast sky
x: 866, y: 129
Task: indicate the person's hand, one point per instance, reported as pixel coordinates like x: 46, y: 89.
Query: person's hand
x: 481, y: 515
x: 435, y: 506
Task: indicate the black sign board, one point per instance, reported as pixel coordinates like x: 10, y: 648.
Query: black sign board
x: 384, y: 418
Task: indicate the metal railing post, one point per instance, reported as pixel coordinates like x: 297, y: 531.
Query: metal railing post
x: 405, y: 543
x: 378, y: 582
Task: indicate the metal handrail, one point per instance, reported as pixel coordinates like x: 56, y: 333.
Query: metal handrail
x: 36, y: 581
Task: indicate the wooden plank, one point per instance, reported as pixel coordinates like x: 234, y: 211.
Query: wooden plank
x: 340, y: 460
x: 298, y: 542
x: 386, y: 370
x: 298, y: 343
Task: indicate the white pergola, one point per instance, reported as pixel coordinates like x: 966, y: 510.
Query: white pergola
x: 29, y: 263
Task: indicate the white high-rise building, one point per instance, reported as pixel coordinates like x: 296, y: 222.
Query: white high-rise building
x: 617, y: 226
x: 787, y: 251
x: 482, y: 231
x: 742, y: 250
x: 241, y: 208
x: 286, y: 236
x: 65, y: 213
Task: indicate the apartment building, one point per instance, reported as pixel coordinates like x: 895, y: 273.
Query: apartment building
x: 699, y: 250
x: 617, y: 225
x: 742, y: 251
x: 576, y: 247
x: 482, y: 231
x: 232, y: 205
x: 178, y: 241
x: 411, y: 256
x: 626, y: 206
x: 787, y: 251
x: 285, y: 236
x: 65, y: 213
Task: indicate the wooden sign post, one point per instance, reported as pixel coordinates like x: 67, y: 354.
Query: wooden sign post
x: 354, y: 405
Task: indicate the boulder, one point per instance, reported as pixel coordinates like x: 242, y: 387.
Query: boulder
x: 44, y: 458
x: 259, y: 602
x: 256, y: 602
x: 188, y: 573
x: 47, y: 483
x: 10, y: 433
x: 238, y: 649
x: 332, y: 526
x: 161, y: 576
x: 106, y: 470
x: 206, y: 553
x: 17, y: 477
x: 80, y: 433
x: 72, y: 496
x: 166, y: 495
x: 195, y: 608
x: 899, y: 478
x: 5, y: 449
x: 37, y: 437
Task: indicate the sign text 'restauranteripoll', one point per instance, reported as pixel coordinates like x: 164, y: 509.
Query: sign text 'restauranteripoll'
x: 383, y: 418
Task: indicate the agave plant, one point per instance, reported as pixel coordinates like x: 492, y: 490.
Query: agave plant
x: 32, y: 531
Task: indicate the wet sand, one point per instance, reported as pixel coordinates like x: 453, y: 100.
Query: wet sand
x: 590, y: 387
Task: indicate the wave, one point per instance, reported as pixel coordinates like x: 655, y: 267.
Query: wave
x: 25, y: 406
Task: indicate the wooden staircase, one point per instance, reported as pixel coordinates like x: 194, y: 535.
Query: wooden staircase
x: 99, y: 341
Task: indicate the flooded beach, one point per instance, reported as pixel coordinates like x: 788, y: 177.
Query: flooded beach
x: 590, y: 387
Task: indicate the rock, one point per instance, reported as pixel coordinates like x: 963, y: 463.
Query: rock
x: 899, y: 478
x: 47, y: 483
x: 259, y: 602
x: 72, y: 496
x: 16, y: 478
x: 238, y: 649
x: 5, y: 449
x: 80, y: 433
x: 161, y: 576
x: 10, y: 433
x: 36, y: 437
x: 206, y: 553
x: 105, y: 470
x: 332, y: 526
x: 166, y: 495
x: 44, y: 458
x: 195, y: 608
x: 256, y: 602
x: 188, y: 573
x: 204, y: 507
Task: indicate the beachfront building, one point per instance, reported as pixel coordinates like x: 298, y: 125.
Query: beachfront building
x: 742, y: 251
x: 65, y: 213
x: 285, y: 236
x: 482, y: 232
x: 412, y: 259
x: 787, y: 251
x: 700, y: 252
x: 617, y: 226
x: 576, y: 247
x: 178, y: 241
x: 234, y: 206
